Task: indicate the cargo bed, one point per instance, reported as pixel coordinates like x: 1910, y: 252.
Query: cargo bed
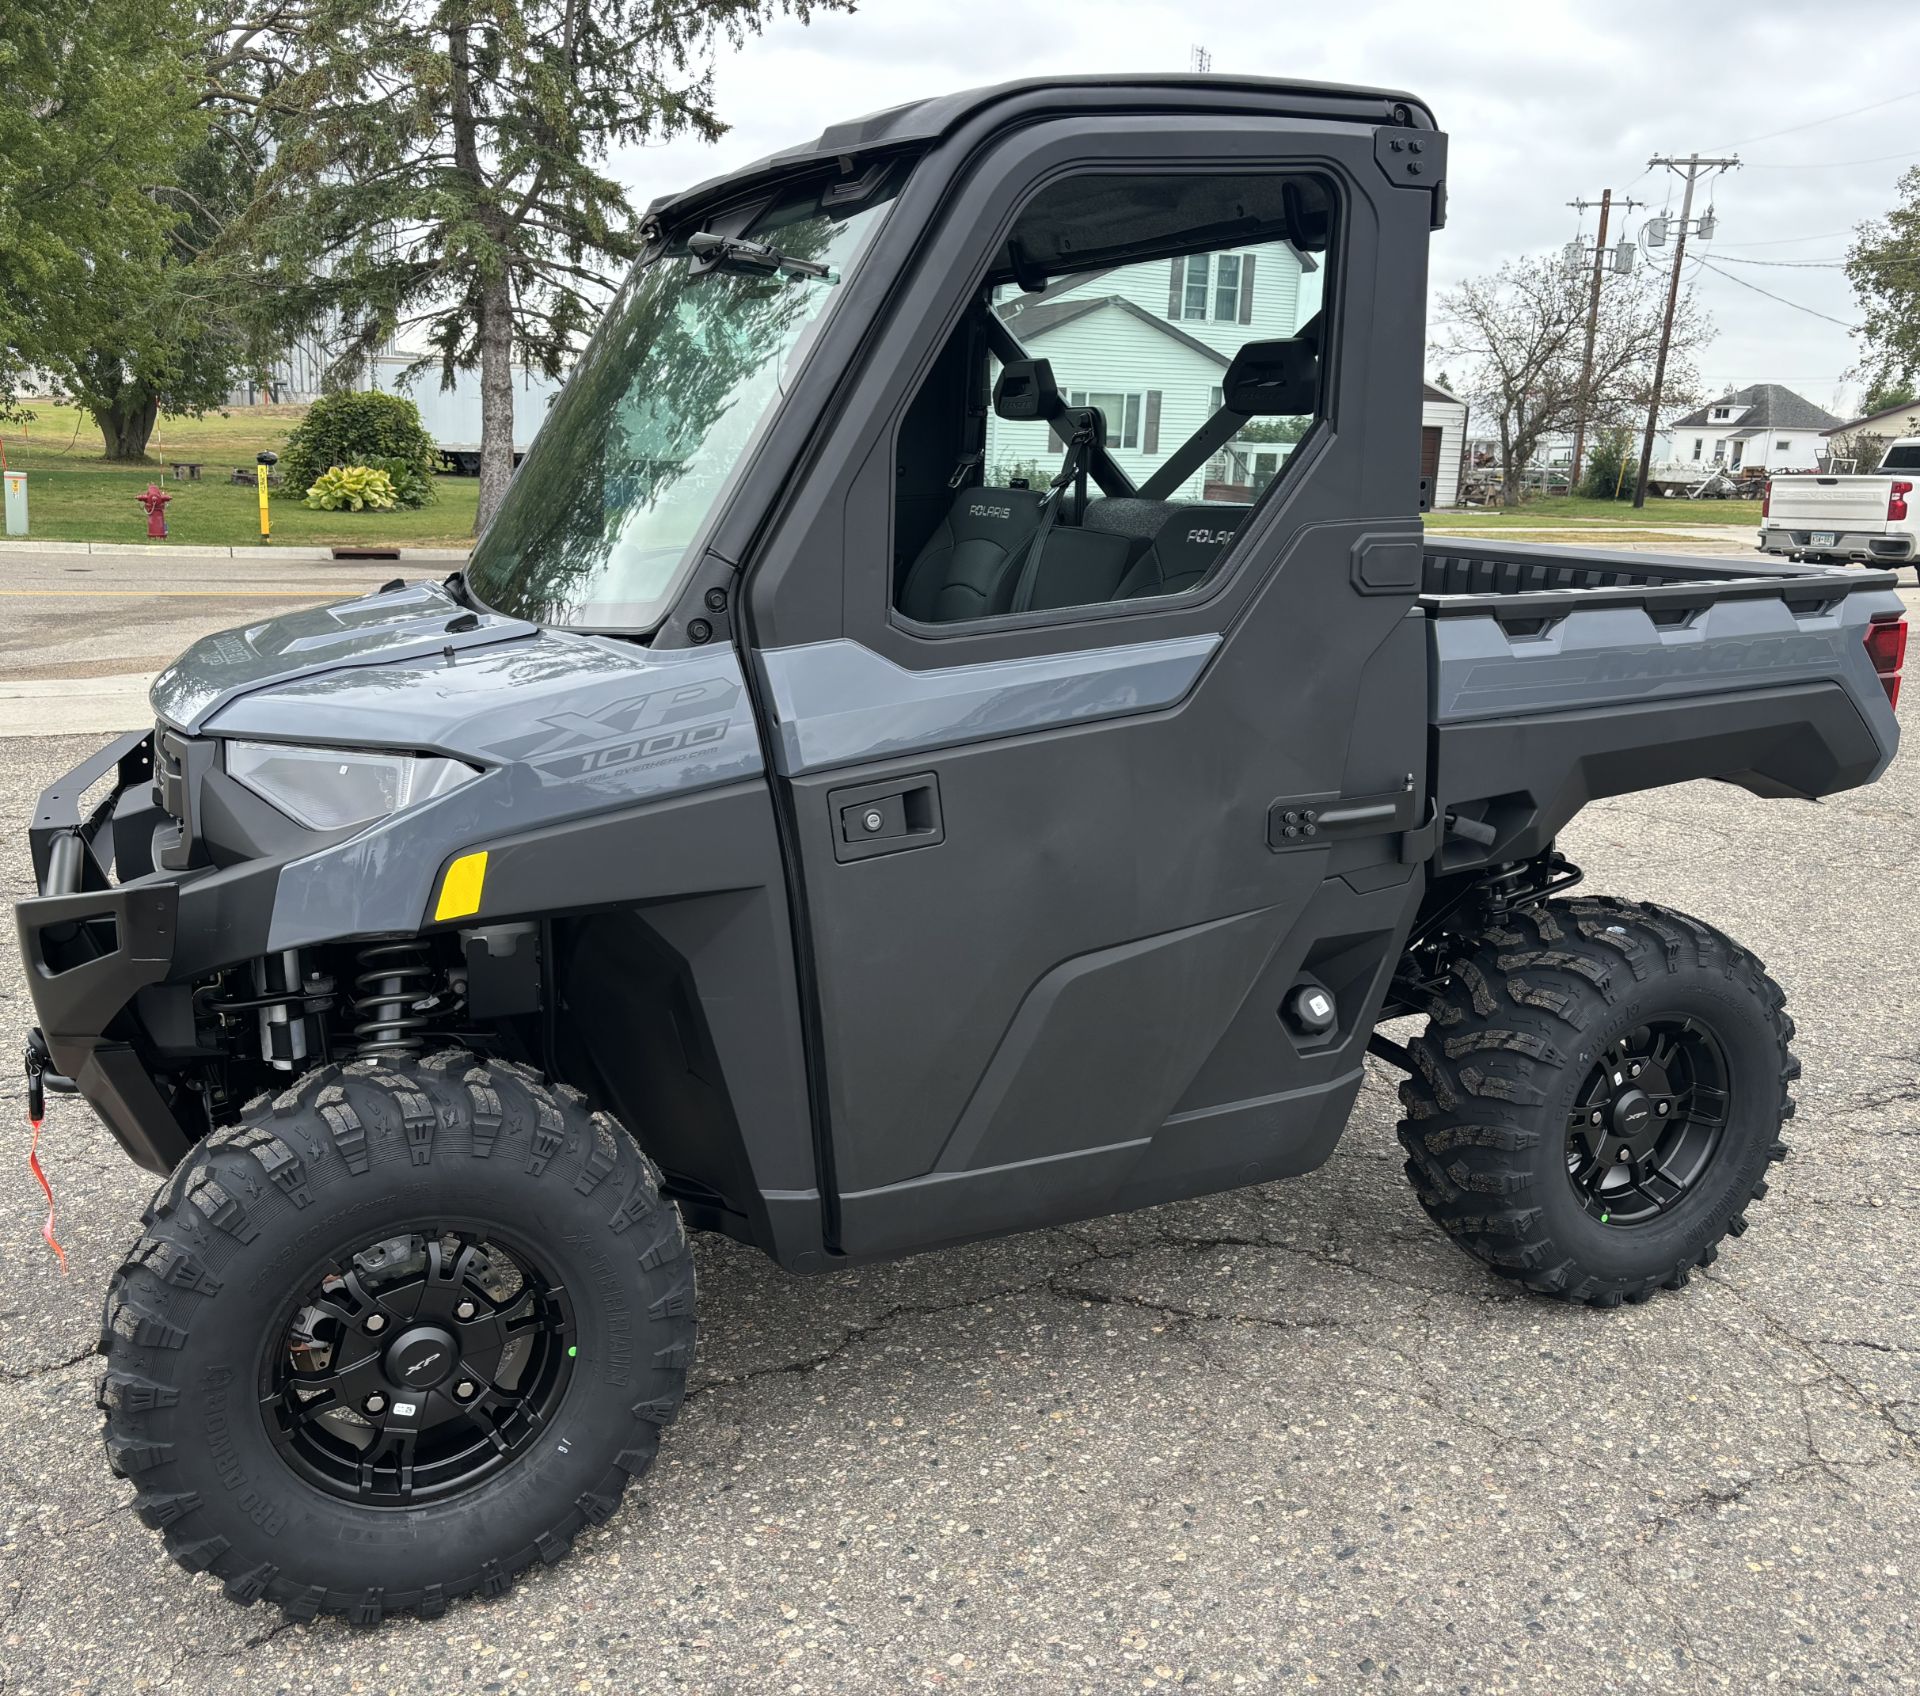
x: 1559, y: 677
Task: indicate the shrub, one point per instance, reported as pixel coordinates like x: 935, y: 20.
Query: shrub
x: 365, y: 429
x: 1610, y: 469
x: 410, y: 488
x: 352, y: 488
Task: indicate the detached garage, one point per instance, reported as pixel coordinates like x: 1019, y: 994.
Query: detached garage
x: 1443, y: 434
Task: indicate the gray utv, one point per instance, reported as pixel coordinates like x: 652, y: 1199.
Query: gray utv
x: 955, y: 728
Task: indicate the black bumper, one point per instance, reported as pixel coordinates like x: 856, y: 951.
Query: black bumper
x: 90, y: 947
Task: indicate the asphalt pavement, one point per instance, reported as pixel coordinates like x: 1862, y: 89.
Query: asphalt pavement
x: 1284, y: 1439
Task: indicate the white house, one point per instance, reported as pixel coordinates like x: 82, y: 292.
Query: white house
x: 1763, y: 427
x: 1443, y: 439
x: 1147, y: 344
x: 1874, y: 434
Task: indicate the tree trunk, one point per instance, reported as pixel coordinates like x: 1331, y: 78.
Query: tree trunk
x: 496, y: 398
x: 126, y: 422
x: 495, y: 327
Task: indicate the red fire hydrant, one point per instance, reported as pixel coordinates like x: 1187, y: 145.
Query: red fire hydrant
x: 155, y: 501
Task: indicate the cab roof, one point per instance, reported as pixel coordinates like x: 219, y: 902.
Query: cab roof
x: 921, y: 122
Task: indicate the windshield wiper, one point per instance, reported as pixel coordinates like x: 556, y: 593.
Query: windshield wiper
x: 736, y: 253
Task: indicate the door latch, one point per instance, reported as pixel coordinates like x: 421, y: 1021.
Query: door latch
x: 886, y: 818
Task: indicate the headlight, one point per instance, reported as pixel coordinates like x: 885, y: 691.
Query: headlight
x: 335, y: 788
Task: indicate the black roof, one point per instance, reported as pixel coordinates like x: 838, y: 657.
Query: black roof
x: 924, y: 121
x: 1771, y: 408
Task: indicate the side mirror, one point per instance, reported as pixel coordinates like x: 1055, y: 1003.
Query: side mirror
x: 1273, y: 379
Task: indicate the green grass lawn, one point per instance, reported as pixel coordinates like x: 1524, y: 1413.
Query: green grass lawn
x: 1577, y: 509
x: 73, y: 495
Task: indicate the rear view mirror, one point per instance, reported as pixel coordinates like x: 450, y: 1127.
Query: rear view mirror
x: 1273, y: 379
x: 1309, y: 218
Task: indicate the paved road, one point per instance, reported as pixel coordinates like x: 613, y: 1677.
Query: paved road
x: 1286, y: 1439
x: 81, y: 635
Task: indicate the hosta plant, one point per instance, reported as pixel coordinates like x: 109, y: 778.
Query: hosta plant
x: 352, y: 488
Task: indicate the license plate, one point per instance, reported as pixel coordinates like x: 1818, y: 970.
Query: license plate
x: 1822, y: 539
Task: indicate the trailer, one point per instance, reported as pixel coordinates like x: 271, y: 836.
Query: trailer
x: 452, y: 415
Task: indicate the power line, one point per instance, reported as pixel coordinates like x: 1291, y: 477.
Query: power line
x: 1782, y: 299
x: 1831, y: 118
x: 1829, y: 164
x: 1787, y: 264
x: 1789, y: 241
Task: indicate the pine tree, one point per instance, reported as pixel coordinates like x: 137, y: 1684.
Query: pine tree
x: 438, y: 165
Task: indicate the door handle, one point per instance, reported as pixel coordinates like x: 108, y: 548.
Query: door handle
x: 886, y: 818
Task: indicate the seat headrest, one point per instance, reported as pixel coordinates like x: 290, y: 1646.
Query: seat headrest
x: 1273, y: 379
x: 1026, y: 391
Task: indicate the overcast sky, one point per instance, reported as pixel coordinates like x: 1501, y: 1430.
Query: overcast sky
x: 1543, y: 102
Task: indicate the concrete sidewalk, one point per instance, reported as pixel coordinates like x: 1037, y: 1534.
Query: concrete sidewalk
x: 75, y: 706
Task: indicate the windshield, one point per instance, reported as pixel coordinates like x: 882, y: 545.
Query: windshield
x: 674, y: 388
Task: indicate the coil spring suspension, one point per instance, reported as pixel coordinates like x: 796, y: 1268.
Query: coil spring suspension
x: 392, y: 980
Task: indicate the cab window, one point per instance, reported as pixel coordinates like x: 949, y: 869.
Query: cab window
x: 1134, y: 372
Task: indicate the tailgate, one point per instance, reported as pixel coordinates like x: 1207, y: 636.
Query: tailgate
x: 1855, y: 504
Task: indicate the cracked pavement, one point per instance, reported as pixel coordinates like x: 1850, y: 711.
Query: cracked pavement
x: 1285, y: 1438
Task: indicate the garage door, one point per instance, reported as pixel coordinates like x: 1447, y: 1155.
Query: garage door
x: 1430, y: 453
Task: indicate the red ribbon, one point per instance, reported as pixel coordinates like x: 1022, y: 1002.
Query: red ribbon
x: 46, y: 1230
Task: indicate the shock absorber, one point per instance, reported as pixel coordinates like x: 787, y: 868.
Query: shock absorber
x: 283, y: 1021
x: 392, y: 987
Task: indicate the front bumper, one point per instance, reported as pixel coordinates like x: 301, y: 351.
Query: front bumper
x: 100, y: 955
x: 1795, y: 541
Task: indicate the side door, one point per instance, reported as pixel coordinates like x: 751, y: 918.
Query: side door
x: 1099, y: 901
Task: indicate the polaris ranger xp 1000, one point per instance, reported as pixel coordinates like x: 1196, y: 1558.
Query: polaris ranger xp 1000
x: 955, y: 728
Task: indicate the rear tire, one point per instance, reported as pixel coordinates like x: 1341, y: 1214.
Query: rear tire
x: 1531, y: 1139
x: 293, y: 1263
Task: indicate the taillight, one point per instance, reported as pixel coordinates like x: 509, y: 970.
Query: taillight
x: 1897, y: 500
x: 1766, y: 500
x: 1887, y: 648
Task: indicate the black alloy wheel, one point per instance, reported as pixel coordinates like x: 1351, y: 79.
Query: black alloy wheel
x: 1647, y: 1123
x: 417, y: 1365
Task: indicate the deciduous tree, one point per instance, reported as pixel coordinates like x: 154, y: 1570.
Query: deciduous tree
x: 1884, y: 267
x: 1519, y: 333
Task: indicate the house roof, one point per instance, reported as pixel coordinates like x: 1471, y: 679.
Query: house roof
x: 1768, y: 407
x: 1898, y: 416
x: 1433, y: 391
x: 1034, y: 321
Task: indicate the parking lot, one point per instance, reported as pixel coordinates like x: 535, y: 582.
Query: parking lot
x: 1283, y: 1439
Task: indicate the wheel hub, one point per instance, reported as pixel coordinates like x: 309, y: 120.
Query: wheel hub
x: 1648, y: 1120
x: 419, y: 1365
x: 421, y: 1358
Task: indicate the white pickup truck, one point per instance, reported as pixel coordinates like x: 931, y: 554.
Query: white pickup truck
x: 1873, y: 518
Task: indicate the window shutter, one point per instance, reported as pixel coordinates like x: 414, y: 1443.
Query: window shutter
x: 1150, y: 431
x: 1246, y: 288
x: 1176, y: 288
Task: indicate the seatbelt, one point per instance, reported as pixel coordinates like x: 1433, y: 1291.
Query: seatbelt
x: 1073, y: 470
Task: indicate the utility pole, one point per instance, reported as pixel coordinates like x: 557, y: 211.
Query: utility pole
x: 1691, y: 166
x: 1601, y: 261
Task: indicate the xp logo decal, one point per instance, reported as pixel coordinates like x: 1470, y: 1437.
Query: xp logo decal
x: 670, y: 723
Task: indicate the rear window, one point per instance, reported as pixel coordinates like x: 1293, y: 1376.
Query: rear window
x: 1902, y: 456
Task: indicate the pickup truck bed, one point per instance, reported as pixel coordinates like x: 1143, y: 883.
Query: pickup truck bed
x: 1559, y: 677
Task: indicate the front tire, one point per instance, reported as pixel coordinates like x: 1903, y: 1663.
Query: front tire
x: 1598, y: 1095
x: 405, y: 1329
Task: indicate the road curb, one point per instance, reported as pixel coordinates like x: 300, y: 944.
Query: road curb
x: 166, y: 550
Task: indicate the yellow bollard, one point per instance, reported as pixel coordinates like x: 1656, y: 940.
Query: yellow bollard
x: 261, y: 462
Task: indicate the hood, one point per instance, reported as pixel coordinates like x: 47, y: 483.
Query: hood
x: 390, y: 625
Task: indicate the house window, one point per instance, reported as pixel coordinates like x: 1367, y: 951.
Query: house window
x: 1739, y: 453
x: 1226, y: 292
x: 1720, y: 412
x: 1699, y: 442
x: 1719, y: 452
x: 1783, y: 447
x: 1195, y: 304
x: 1121, y: 411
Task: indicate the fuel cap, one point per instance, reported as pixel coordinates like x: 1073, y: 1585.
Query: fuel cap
x: 1311, y: 1010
